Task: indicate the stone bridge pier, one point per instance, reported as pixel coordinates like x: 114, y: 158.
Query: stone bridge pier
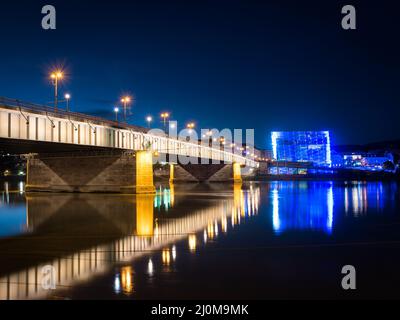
x: 91, y: 172
x: 205, y: 173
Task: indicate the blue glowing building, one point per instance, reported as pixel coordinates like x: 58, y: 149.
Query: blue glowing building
x: 302, y: 146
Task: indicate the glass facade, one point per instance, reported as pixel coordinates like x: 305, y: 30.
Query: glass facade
x: 302, y: 146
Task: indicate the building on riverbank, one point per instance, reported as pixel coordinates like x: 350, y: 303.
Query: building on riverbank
x: 302, y: 146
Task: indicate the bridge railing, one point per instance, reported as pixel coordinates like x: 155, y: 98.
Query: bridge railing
x: 190, y: 149
x: 28, y: 106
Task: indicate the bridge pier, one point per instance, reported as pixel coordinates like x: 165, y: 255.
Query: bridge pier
x: 206, y: 173
x: 144, y: 172
x: 237, y: 173
x: 91, y: 172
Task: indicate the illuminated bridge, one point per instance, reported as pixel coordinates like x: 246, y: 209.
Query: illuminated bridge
x: 75, y: 152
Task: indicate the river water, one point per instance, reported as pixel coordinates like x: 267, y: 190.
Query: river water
x: 268, y: 240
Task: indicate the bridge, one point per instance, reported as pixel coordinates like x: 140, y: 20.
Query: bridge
x: 75, y: 152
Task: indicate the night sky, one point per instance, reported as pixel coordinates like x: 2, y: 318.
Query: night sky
x: 267, y: 65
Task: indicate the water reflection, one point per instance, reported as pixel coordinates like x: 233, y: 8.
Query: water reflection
x: 312, y: 205
x: 165, y: 197
x: 123, y: 281
x: 144, y: 214
x: 302, y: 205
x: 361, y: 197
x: 13, y: 216
x: 84, y: 235
x: 192, y: 242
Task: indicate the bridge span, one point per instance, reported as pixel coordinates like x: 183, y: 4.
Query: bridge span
x: 27, y: 128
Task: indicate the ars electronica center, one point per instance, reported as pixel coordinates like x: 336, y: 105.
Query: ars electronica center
x: 302, y: 152
x: 302, y: 146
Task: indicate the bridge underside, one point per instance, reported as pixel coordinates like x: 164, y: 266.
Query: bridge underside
x: 61, y: 167
x: 19, y: 146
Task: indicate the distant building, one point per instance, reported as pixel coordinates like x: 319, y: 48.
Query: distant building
x: 365, y: 160
x: 302, y: 146
x: 265, y: 155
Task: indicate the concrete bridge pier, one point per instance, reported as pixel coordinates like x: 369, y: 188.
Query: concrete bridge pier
x: 205, y: 173
x: 91, y: 172
x: 237, y: 173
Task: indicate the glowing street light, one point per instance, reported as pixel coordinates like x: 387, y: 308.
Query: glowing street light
x: 67, y: 97
x: 190, y: 126
x: 56, y: 76
x: 116, y: 110
x: 164, y: 116
x: 125, y: 100
x: 149, y: 119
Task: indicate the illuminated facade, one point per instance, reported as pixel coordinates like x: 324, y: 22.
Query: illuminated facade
x: 359, y: 160
x: 302, y: 146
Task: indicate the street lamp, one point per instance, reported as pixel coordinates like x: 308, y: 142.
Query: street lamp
x: 125, y: 101
x: 164, y: 116
x: 67, y: 97
x: 190, y: 126
x: 116, y: 110
x: 56, y: 76
x: 209, y: 135
x: 149, y: 119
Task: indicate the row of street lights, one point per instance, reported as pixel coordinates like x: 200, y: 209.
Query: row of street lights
x: 58, y: 75
x: 164, y: 116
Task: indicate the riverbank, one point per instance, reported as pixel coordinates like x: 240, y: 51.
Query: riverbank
x: 351, y: 175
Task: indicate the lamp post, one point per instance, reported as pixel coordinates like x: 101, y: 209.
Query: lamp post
x: 56, y: 76
x: 149, y: 119
x: 116, y: 110
x: 164, y: 116
x: 190, y: 126
x: 125, y: 101
x: 67, y: 97
x: 209, y: 135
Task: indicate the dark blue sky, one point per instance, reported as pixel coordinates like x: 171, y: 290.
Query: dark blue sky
x: 267, y: 65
